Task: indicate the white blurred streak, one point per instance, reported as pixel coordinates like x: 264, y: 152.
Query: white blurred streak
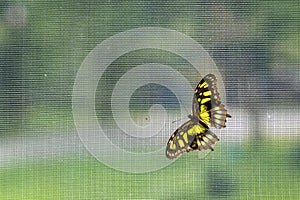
x: 237, y: 128
x: 280, y: 123
x: 31, y: 146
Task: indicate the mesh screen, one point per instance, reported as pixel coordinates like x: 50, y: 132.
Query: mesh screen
x: 91, y: 91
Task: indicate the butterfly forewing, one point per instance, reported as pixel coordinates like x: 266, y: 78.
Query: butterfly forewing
x: 180, y: 140
x: 207, y: 103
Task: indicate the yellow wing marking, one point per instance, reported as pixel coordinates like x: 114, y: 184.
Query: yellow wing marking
x: 185, y: 137
x: 207, y: 93
x: 196, y: 129
x: 205, y: 100
x: 172, y: 145
x: 204, y: 114
x: 203, y: 85
x: 181, y: 143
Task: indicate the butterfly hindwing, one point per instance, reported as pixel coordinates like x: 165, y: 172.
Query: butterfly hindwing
x: 188, y: 137
x: 204, y: 141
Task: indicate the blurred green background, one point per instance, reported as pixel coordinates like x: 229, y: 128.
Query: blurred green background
x: 255, y: 44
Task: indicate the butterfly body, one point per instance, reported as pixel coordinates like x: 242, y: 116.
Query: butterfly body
x: 208, y: 111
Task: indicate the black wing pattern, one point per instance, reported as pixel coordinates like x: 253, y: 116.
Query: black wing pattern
x: 208, y: 111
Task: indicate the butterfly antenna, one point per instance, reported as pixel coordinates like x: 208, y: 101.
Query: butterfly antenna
x: 177, y: 120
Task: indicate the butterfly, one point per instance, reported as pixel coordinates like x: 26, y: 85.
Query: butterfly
x: 208, y: 111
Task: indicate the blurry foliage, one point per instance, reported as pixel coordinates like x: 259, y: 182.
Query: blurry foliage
x: 220, y: 184
x: 244, y: 37
x: 294, y: 157
x: 259, y: 175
